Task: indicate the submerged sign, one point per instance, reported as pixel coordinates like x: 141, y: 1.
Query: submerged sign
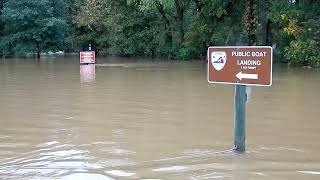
x: 246, y: 65
x: 87, y: 57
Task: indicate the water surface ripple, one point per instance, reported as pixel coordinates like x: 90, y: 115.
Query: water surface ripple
x: 140, y: 119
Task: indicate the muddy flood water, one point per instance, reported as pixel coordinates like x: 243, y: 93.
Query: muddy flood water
x: 138, y: 119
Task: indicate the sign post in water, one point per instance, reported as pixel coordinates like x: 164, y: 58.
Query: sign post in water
x: 241, y: 66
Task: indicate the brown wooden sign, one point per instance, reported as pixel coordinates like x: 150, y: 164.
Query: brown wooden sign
x: 247, y: 65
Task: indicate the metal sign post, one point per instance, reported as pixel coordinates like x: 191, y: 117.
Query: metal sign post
x: 240, y: 118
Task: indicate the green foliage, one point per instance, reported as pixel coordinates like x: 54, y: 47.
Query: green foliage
x: 184, y: 54
x: 296, y: 31
x: 303, y: 53
x: 33, y: 26
x: 213, y: 25
x: 304, y: 50
x: 146, y: 5
x: 174, y: 29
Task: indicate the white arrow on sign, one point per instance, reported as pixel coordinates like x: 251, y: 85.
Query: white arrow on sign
x: 241, y: 75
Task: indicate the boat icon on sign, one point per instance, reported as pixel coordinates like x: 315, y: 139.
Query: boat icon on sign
x: 218, y: 60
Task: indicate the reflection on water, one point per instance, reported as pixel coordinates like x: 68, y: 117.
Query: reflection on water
x: 151, y: 120
x: 87, y: 73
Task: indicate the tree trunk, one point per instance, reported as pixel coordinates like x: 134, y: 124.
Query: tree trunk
x: 167, y: 22
x: 197, y: 5
x: 229, y: 5
x: 1, y: 5
x: 1, y: 24
x: 38, y: 50
x: 268, y: 40
x: 179, y: 18
x: 250, y: 23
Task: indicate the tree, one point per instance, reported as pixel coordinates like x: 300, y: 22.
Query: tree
x: 172, y: 13
x: 34, y: 26
x: 1, y: 24
x: 214, y: 23
x: 163, y: 8
x: 296, y: 31
x: 250, y: 23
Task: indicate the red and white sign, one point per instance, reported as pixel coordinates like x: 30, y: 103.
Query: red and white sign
x: 87, y: 57
x: 247, y: 65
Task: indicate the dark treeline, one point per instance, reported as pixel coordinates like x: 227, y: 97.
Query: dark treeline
x: 174, y: 29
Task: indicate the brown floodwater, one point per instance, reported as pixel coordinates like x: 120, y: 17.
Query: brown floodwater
x: 139, y: 119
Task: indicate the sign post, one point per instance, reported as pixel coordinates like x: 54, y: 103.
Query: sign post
x: 240, y: 118
x: 241, y: 66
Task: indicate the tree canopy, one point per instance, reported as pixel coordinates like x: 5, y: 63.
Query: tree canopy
x: 33, y: 26
x: 174, y: 29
